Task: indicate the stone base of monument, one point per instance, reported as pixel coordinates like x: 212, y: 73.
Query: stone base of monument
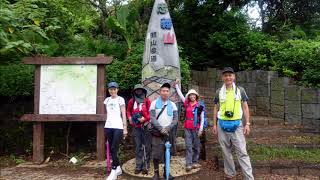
x: 177, y: 168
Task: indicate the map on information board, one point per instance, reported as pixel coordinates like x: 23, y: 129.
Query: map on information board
x: 68, y: 89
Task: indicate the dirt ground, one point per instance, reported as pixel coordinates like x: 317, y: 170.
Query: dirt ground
x: 80, y: 173
x: 209, y: 171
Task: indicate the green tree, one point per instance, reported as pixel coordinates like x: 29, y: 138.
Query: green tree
x: 279, y: 17
x: 119, y: 24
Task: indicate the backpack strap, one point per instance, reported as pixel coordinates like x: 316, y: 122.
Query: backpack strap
x: 161, y: 111
x: 147, y: 103
x: 201, y: 108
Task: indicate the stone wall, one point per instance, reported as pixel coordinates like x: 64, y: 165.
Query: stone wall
x: 269, y: 95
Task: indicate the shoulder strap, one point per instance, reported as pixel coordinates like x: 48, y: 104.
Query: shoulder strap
x: 161, y: 111
x: 147, y: 103
x: 234, y: 101
x: 119, y: 100
x: 242, y: 92
x: 133, y: 101
x: 218, y: 94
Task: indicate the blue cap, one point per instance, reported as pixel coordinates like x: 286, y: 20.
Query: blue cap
x: 113, y: 85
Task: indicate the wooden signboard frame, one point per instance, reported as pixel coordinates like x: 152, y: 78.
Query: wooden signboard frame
x: 40, y: 119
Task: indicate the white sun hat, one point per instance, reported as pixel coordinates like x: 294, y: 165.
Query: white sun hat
x: 192, y: 91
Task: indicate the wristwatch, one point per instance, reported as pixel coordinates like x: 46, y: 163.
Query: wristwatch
x: 248, y: 124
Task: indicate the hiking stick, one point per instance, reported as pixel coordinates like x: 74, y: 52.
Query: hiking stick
x: 108, y: 156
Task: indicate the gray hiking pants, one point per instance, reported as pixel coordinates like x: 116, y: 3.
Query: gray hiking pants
x: 226, y: 140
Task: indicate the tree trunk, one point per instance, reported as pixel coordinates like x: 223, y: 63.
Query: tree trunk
x: 262, y: 14
x: 103, y: 25
x: 103, y: 16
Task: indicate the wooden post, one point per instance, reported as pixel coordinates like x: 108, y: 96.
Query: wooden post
x: 38, y: 127
x: 38, y: 142
x: 100, y: 141
x: 39, y: 119
x: 100, y: 110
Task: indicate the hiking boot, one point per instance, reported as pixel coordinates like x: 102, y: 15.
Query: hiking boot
x: 144, y: 172
x: 188, y: 168
x: 156, y: 176
x: 137, y: 171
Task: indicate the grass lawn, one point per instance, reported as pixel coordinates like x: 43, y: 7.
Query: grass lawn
x: 269, y: 153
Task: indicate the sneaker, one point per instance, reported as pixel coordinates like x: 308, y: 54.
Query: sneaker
x: 118, y: 171
x: 196, y: 166
x: 188, y: 168
x: 145, y: 172
x: 112, y: 175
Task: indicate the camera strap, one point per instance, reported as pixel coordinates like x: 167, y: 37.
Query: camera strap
x: 234, y: 100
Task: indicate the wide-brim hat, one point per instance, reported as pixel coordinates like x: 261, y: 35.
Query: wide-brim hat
x: 192, y: 91
x: 139, y: 86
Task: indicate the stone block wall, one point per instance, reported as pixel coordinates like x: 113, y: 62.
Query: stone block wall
x: 269, y: 95
x: 310, y: 107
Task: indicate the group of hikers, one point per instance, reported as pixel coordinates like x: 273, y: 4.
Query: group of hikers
x: 153, y: 124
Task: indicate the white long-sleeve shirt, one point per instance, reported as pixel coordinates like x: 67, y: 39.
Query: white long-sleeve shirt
x: 183, y: 99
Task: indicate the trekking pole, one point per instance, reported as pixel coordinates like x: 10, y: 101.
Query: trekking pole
x: 108, y: 156
x: 144, y: 149
x: 145, y: 157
